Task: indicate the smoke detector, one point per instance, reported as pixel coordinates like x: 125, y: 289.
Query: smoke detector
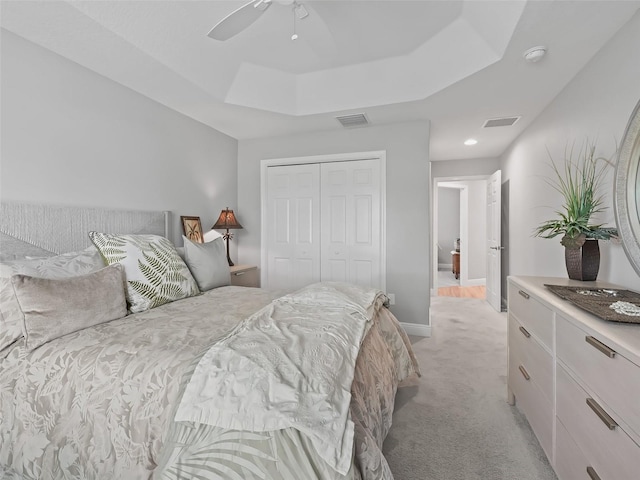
x: 535, y: 54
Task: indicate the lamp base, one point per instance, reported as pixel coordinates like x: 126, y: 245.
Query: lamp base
x: 226, y: 237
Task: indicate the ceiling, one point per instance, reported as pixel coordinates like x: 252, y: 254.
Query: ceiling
x: 454, y: 63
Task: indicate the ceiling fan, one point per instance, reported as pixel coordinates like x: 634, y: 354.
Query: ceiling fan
x: 244, y: 16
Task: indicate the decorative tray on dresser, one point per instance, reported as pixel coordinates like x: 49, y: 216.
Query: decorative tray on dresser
x: 576, y: 377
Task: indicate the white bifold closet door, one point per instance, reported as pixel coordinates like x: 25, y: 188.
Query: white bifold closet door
x: 293, y: 226
x: 324, y: 223
x: 350, y: 222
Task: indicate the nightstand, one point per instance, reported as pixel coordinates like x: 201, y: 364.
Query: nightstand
x: 455, y: 261
x: 245, y: 276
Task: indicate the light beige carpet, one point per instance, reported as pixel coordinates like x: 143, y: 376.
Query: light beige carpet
x: 456, y: 424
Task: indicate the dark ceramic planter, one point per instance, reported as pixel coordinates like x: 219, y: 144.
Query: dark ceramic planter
x: 583, y: 263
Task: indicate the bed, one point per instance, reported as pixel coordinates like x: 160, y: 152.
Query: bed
x: 216, y: 382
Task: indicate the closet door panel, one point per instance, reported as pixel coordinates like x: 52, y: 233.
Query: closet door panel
x: 363, y: 273
x: 350, y: 222
x: 281, y: 213
x: 364, y: 213
x: 293, y: 239
x: 337, y: 270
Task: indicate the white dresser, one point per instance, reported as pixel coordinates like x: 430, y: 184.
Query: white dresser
x: 577, y: 380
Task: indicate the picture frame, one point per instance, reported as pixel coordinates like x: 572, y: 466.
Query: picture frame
x: 192, y: 228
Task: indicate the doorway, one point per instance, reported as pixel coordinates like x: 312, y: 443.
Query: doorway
x: 459, y: 237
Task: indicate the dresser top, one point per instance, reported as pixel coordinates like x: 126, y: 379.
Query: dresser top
x: 622, y: 337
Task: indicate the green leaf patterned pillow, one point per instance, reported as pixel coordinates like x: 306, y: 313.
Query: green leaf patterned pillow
x: 154, y: 271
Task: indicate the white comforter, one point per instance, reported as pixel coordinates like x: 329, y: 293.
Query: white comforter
x: 283, y: 367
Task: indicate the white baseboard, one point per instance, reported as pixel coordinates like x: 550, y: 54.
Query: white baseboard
x: 417, y: 329
x: 445, y: 266
x: 474, y: 281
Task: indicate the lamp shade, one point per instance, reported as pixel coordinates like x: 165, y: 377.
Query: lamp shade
x: 227, y: 219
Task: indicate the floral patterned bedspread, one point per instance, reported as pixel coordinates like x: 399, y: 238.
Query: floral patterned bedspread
x: 98, y: 403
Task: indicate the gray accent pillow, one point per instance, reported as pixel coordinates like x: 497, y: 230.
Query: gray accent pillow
x: 208, y: 263
x: 61, y: 266
x: 53, y: 308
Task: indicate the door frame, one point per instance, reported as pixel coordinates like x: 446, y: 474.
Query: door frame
x: 380, y: 155
x: 494, y: 234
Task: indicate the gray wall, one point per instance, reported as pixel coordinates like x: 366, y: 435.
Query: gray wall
x: 71, y: 136
x: 448, y: 222
x: 595, y: 105
x: 407, y: 147
x: 465, y: 168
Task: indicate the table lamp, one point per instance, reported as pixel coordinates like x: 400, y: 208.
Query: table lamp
x: 227, y: 220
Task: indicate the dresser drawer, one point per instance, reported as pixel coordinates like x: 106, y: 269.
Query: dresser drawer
x: 536, y: 360
x: 571, y: 463
x: 536, y: 317
x: 616, y: 380
x: 245, y: 276
x: 610, y: 452
x: 532, y: 402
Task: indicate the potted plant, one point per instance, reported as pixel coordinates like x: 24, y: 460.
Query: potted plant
x: 579, y: 183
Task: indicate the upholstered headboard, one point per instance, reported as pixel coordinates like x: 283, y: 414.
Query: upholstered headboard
x: 44, y: 230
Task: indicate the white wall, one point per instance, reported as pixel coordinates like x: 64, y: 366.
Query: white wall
x: 71, y: 136
x: 407, y: 147
x: 448, y: 222
x: 595, y: 105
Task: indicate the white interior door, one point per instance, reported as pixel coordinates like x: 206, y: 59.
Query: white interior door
x: 293, y: 217
x: 351, y: 222
x: 494, y: 249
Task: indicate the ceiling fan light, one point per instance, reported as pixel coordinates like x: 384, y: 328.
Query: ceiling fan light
x: 294, y: 36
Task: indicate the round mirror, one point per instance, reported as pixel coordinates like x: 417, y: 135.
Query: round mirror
x: 627, y: 190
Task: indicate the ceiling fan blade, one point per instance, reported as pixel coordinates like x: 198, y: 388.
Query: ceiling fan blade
x: 238, y: 20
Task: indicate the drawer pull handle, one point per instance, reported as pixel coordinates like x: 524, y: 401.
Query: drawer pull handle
x: 524, y: 332
x: 594, y: 342
x: 237, y: 274
x: 524, y: 372
x: 524, y: 294
x: 604, y: 416
x: 592, y: 474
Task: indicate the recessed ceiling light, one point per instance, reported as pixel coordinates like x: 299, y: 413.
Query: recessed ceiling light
x: 470, y: 141
x: 535, y: 54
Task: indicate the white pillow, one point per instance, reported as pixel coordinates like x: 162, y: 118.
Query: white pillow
x: 61, y: 266
x: 210, y: 235
x: 154, y: 271
x: 208, y: 263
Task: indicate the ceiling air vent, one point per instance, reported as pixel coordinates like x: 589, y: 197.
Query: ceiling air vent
x: 355, y: 120
x: 500, y: 122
